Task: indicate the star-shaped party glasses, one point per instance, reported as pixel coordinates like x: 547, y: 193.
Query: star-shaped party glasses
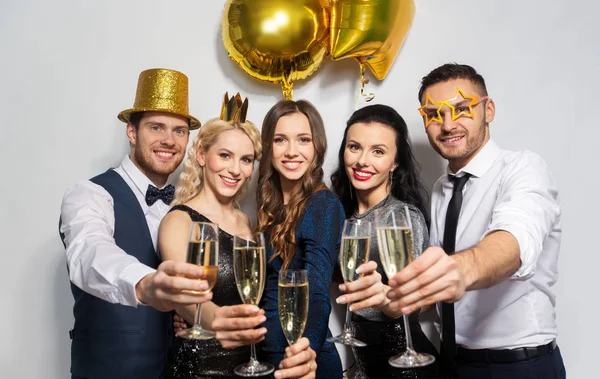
x: 434, y: 114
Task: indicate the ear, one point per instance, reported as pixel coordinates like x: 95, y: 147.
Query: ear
x: 490, y: 110
x: 131, y: 133
x: 200, y: 156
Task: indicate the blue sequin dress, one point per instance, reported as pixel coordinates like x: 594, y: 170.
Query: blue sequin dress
x: 318, y: 239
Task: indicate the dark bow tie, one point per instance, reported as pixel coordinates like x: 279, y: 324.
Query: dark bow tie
x: 166, y: 194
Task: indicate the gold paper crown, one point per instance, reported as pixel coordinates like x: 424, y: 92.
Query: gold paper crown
x: 233, y: 109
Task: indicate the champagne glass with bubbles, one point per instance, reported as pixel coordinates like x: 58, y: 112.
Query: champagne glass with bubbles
x: 293, y: 303
x: 354, y: 251
x: 203, y: 250
x: 396, y: 251
x: 250, y: 269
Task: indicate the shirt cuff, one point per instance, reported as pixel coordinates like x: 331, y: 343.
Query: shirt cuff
x: 130, y: 277
x: 526, y: 269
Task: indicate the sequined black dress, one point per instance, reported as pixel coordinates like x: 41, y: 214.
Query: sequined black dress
x: 385, y: 336
x: 193, y: 359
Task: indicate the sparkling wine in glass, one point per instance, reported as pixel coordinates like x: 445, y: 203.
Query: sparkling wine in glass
x: 250, y: 269
x: 293, y: 303
x: 203, y: 250
x: 396, y: 251
x: 354, y: 251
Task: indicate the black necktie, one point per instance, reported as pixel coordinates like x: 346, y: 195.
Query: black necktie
x: 153, y: 194
x: 448, y: 347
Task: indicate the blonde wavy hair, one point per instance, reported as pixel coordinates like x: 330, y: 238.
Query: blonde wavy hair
x: 191, y: 179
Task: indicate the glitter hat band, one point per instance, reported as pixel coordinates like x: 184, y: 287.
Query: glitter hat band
x: 161, y: 90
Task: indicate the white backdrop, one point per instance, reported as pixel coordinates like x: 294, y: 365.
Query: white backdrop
x: 68, y: 67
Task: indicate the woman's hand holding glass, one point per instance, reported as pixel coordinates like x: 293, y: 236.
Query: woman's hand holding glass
x: 368, y: 291
x: 236, y: 325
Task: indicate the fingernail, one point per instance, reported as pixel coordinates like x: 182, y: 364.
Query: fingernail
x: 351, y: 308
x: 254, y: 309
x: 360, y: 270
x: 342, y: 287
x: 262, y: 331
x: 340, y: 299
x: 280, y: 366
x: 391, y: 294
x: 263, y: 319
x: 405, y: 310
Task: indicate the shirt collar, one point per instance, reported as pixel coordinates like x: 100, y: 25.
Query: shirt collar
x: 481, y: 162
x: 138, y: 178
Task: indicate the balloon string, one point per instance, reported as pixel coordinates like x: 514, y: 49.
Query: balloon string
x: 363, y: 81
x: 287, y: 87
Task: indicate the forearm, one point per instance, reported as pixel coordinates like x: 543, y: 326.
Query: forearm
x: 489, y: 262
x: 102, y: 269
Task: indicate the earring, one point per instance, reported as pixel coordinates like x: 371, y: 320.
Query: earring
x: 391, y: 179
x: 351, y: 189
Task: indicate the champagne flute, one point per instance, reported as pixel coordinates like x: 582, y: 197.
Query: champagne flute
x: 396, y: 251
x: 250, y: 270
x: 354, y: 251
x: 203, y: 250
x: 293, y: 303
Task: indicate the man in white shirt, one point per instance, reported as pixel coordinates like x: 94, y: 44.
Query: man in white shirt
x: 109, y: 225
x: 501, y: 231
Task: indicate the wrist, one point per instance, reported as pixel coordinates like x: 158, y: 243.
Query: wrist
x: 466, y: 268
x: 140, y: 289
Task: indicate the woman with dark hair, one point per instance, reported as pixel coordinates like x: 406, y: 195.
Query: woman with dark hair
x: 377, y: 170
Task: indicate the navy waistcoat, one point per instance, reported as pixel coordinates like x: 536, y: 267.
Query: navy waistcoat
x: 112, y: 340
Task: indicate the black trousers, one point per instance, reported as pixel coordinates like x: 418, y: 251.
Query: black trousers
x: 549, y: 366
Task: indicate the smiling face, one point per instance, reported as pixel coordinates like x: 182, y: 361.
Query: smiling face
x: 457, y: 140
x: 293, y: 149
x: 369, y: 157
x: 158, y: 144
x: 228, y: 163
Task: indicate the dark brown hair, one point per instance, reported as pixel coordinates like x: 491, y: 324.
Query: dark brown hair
x: 450, y: 71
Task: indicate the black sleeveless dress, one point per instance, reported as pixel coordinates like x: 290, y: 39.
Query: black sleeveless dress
x: 192, y: 359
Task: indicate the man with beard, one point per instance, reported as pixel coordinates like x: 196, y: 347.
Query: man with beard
x: 496, y: 213
x: 109, y: 226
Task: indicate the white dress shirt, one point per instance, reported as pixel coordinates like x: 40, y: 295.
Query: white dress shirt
x: 514, y: 192
x: 96, y: 264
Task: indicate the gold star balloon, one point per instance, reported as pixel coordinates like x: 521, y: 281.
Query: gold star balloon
x: 370, y: 31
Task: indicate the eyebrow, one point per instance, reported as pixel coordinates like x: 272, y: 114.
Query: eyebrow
x: 379, y: 145
x: 163, y: 125
x: 226, y: 150
x: 297, y: 135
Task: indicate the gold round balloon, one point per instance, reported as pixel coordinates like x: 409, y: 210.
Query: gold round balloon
x: 371, y: 31
x: 276, y: 40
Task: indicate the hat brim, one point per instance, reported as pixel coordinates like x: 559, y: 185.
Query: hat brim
x: 124, y: 115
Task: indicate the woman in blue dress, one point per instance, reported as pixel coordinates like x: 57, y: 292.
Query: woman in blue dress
x: 302, y: 220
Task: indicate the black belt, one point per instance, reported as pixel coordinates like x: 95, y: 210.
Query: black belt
x: 503, y: 356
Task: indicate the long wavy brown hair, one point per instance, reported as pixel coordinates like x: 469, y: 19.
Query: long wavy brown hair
x: 277, y: 219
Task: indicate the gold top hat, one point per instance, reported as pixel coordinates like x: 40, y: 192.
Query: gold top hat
x: 233, y: 109
x: 161, y: 90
